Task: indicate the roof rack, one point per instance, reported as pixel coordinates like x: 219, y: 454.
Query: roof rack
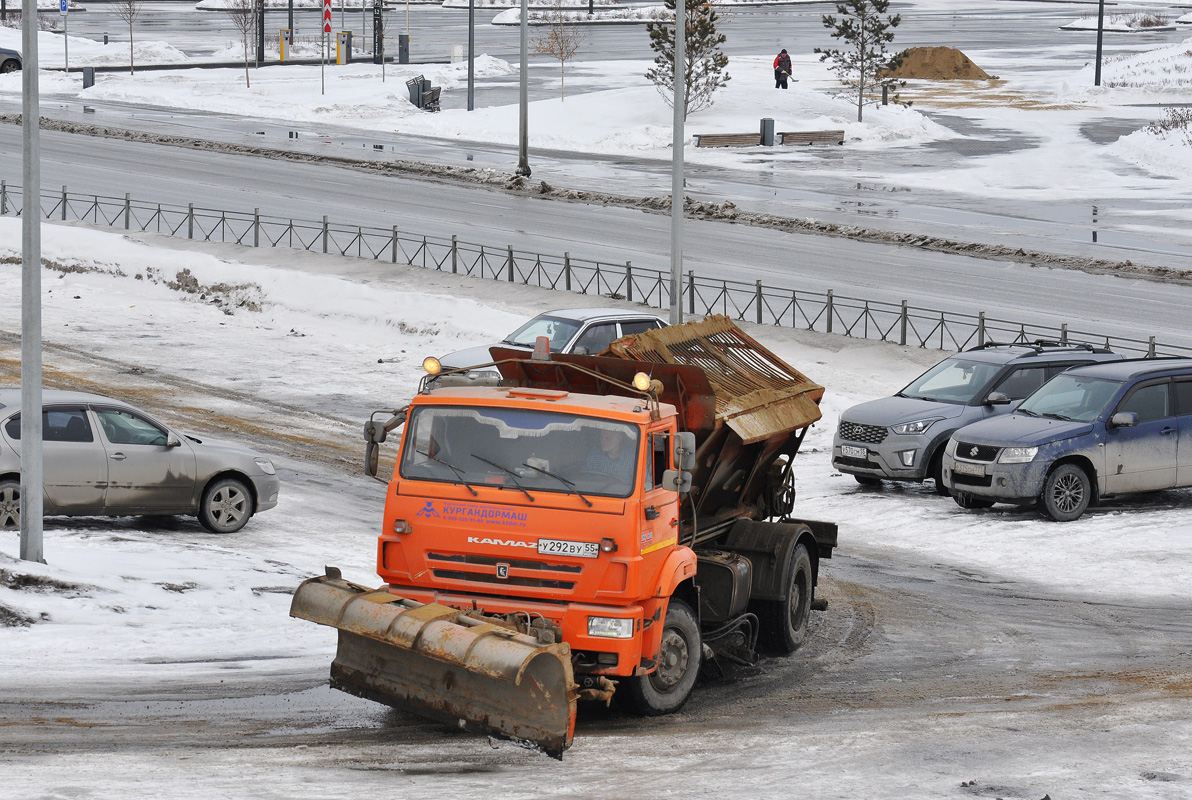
x: 1039, y: 346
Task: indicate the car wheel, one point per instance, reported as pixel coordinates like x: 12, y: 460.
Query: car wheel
x: 226, y: 506
x: 11, y: 65
x: 866, y: 480
x: 666, y: 689
x: 966, y: 500
x: 936, y: 472
x: 10, y: 505
x: 784, y: 623
x: 1066, y: 493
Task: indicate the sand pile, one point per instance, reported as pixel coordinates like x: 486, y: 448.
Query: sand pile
x: 937, y: 64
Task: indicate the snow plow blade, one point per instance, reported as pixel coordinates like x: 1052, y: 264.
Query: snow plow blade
x: 464, y: 669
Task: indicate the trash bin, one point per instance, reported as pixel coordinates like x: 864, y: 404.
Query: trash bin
x: 88, y: 77
x: 403, y: 48
x: 767, y: 132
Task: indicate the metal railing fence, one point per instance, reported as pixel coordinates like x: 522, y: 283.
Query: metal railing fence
x: 826, y: 312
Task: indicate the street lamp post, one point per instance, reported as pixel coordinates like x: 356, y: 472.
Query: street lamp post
x: 1100, y: 36
x: 680, y: 82
x: 471, y: 55
x: 523, y: 155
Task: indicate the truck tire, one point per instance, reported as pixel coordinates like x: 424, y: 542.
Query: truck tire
x: 784, y: 622
x: 666, y: 689
x: 1066, y: 493
x: 10, y: 505
x: 226, y: 506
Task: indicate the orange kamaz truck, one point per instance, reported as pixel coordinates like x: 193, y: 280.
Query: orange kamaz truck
x: 582, y: 527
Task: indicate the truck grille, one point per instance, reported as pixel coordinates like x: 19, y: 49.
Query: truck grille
x: 488, y: 572
x: 854, y: 432
x: 977, y: 452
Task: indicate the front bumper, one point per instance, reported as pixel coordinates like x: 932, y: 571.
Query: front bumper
x: 1008, y: 483
x: 266, y: 488
x: 886, y: 459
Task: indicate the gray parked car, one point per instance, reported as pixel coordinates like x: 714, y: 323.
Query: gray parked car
x: 104, y: 457
x: 10, y: 60
x: 585, y: 331
x: 1090, y: 433
x: 902, y: 437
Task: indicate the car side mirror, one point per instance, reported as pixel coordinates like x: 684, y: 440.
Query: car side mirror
x: 997, y: 399
x: 580, y: 351
x: 375, y: 433
x: 1123, y: 419
x: 173, y: 441
x: 677, y: 481
x: 684, y: 447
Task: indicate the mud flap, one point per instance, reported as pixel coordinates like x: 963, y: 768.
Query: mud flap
x: 438, y: 662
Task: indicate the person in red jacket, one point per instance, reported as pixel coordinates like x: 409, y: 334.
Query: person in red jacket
x: 782, y: 70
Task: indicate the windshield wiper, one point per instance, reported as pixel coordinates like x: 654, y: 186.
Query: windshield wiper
x: 1026, y: 411
x: 1053, y: 415
x: 568, y: 484
x: 451, y: 467
x: 508, y: 472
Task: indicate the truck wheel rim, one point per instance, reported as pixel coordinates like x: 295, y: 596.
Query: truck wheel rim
x: 1068, y: 493
x: 672, y: 661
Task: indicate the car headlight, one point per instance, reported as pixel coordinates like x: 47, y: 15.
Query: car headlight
x: 918, y: 426
x: 950, y: 447
x: 266, y: 466
x: 1018, y: 455
x: 610, y: 627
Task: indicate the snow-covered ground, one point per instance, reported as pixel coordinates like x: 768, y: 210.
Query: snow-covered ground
x: 323, y: 335
x: 611, y: 108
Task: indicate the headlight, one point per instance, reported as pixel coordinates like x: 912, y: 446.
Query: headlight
x: 918, y: 426
x: 610, y: 628
x: 266, y: 466
x: 1018, y: 455
x: 950, y: 447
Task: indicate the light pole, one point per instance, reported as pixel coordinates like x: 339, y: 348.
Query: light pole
x: 680, y: 84
x: 471, y: 55
x: 1100, y: 35
x: 31, y: 461
x: 523, y: 146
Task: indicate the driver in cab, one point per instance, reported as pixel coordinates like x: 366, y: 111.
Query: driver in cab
x: 613, y: 459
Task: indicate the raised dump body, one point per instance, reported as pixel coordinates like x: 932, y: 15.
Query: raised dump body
x: 538, y: 546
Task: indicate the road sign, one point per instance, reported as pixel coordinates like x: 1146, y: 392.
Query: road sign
x: 62, y: 5
x: 326, y: 16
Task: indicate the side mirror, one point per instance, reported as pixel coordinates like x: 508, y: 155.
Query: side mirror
x: 1123, y: 419
x: 375, y: 434
x: 684, y: 451
x: 580, y: 351
x: 997, y: 399
x: 677, y: 481
x: 173, y: 441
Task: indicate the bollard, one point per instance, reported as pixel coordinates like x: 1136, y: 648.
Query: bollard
x: 105, y: 38
x: 885, y: 94
x: 767, y: 132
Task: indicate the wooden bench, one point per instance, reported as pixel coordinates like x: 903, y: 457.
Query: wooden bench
x: 728, y: 139
x: 811, y: 137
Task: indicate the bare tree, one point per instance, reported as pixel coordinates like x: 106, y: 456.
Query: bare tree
x: 561, y: 40
x: 129, y: 11
x: 243, y: 14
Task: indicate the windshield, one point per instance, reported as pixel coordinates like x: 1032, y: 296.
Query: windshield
x: 1072, y: 397
x: 953, y: 380
x: 521, y: 450
x: 559, y: 331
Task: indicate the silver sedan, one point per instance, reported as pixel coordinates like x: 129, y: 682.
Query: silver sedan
x: 105, y: 457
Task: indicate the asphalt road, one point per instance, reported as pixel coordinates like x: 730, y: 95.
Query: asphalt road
x: 715, y: 249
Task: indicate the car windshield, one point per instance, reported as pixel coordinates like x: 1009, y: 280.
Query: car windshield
x: 953, y: 380
x: 1072, y: 397
x: 522, y: 450
x: 560, y: 331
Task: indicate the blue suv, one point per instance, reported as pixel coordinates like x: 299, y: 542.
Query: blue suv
x: 1089, y: 433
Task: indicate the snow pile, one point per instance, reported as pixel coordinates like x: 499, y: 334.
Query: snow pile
x: 490, y: 4
x: 1164, y: 71
x: 1164, y: 148
x: 84, y: 53
x: 637, y: 14
x: 1122, y: 23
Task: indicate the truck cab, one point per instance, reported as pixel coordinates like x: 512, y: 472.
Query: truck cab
x: 540, y: 501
